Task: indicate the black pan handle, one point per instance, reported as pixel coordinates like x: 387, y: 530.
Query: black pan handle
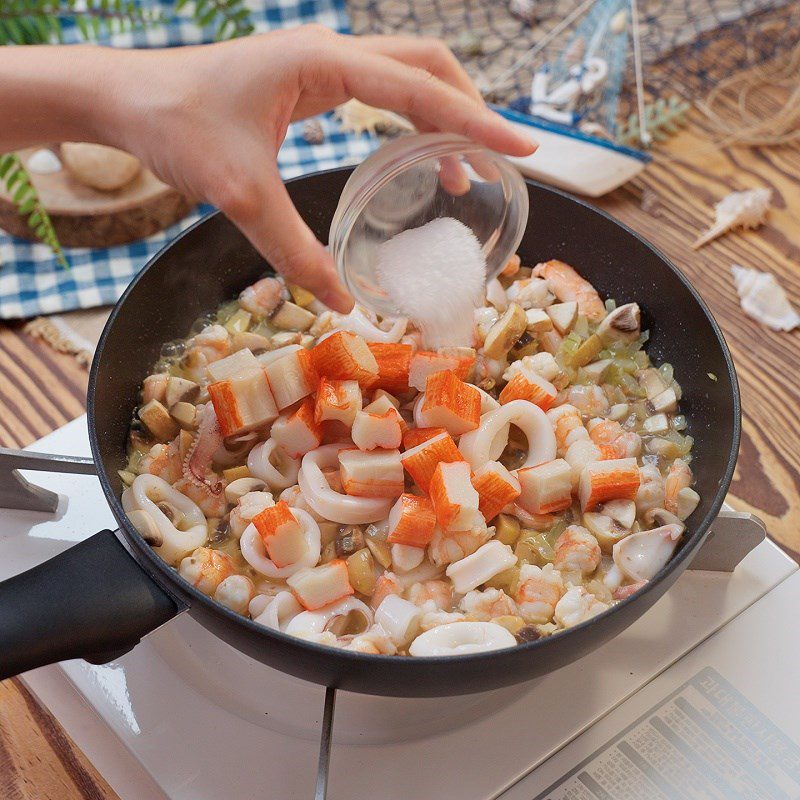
x: 92, y: 601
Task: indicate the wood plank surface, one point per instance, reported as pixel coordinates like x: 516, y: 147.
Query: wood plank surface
x: 672, y: 202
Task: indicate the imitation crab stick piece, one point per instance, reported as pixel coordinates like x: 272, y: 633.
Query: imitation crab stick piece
x: 371, y: 431
x: 420, y: 462
x: 297, y: 432
x: 416, y: 436
x: 451, y: 404
x: 454, y: 498
x: 617, y: 479
x: 337, y: 400
x: 281, y: 533
x: 291, y: 378
x: 424, y: 363
x: 496, y: 488
x: 546, y: 488
x: 243, y: 403
x: 527, y: 385
x: 315, y: 587
x: 378, y: 473
x: 345, y: 356
x: 394, y: 364
x: 381, y: 405
x: 412, y: 521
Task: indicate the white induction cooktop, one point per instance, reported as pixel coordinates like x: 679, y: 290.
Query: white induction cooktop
x: 185, y: 716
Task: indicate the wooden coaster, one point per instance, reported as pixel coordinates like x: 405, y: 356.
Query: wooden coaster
x: 85, y: 217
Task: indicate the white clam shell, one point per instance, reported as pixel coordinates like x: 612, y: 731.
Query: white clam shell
x: 459, y: 638
x: 763, y: 299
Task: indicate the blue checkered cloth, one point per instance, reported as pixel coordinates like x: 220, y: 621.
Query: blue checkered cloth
x: 31, y: 281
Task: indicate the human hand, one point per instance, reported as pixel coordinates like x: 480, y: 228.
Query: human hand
x: 209, y: 120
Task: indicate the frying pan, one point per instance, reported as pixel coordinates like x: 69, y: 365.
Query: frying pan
x: 97, y: 599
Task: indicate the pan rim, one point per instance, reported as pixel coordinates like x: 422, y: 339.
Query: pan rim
x: 158, y: 569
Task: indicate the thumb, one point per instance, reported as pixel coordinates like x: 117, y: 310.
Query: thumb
x: 266, y: 215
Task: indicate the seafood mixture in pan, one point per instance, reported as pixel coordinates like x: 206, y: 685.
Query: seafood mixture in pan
x: 330, y: 478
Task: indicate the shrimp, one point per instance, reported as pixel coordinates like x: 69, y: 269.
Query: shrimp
x: 568, y: 285
x: 163, y: 460
x: 615, y: 442
x: 433, y: 619
x: 651, y: 493
x: 567, y: 426
x: 623, y: 592
x: 206, y: 569
x: 440, y: 593
x: 375, y: 641
x: 679, y: 477
x: 212, y: 505
x: 538, y: 591
x: 449, y: 546
x: 387, y: 584
x: 577, y: 549
x: 488, y: 604
x: 213, y: 343
x: 263, y: 297
x: 589, y: 399
x: 578, y: 605
x: 248, y: 506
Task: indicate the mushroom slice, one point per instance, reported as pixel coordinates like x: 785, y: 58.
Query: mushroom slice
x: 623, y: 324
x: 641, y: 555
x: 621, y: 511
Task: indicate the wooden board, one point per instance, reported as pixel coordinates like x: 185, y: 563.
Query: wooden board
x: 85, y: 217
x: 669, y: 204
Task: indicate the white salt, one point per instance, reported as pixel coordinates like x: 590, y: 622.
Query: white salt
x: 436, y: 276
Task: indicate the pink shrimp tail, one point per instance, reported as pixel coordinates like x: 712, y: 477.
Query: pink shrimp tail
x: 197, y: 463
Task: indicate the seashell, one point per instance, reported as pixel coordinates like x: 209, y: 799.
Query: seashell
x: 737, y: 210
x: 619, y: 22
x: 43, y: 162
x: 763, y: 299
x: 469, y: 44
x: 103, y: 168
x: 524, y: 10
x: 357, y: 117
x: 312, y: 131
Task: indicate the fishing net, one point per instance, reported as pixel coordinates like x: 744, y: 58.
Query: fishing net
x: 687, y: 46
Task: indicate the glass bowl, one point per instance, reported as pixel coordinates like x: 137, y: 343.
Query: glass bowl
x: 413, y: 180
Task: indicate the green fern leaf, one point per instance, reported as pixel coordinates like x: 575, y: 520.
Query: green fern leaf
x: 29, y: 205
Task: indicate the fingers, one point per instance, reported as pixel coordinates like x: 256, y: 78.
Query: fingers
x: 428, y: 54
x: 379, y: 80
x: 265, y: 214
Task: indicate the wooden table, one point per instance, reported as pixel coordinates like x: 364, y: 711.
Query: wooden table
x: 669, y: 204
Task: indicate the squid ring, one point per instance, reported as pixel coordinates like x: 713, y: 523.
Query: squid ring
x: 278, y: 612
x: 482, y: 445
x: 310, y: 622
x: 332, y: 505
x: 255, y: 554
x: 457, y: 638
x: 181, y: 535
x: 260, y: 463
